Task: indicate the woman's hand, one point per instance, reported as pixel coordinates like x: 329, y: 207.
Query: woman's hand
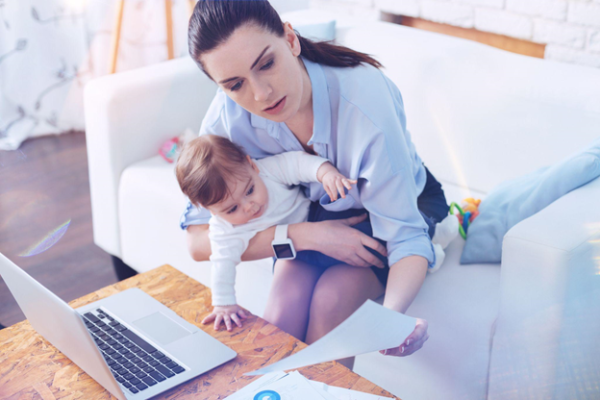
x: 337, y: 239
x: 413, y: 342
x: 226, y: 314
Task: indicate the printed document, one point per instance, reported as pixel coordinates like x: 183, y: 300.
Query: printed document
x: 294, y: 386
x: 371, y: 328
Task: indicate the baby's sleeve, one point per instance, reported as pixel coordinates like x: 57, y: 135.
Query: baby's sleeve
x: 293, y: 167
x: 227, y: 248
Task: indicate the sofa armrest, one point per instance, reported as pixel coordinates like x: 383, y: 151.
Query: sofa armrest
x: 128, y: 116
x: 548, y: 326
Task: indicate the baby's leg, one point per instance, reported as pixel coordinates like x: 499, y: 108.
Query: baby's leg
x: 291, y: 292
x: 446, y: 231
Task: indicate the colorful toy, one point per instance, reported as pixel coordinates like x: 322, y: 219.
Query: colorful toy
x: 466, y: 214
x: 168, y: 150
x: 171, y: 148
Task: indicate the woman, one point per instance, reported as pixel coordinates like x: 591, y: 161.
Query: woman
x: 281, y: 92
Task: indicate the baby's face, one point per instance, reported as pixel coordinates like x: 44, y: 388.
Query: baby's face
x: 248, y: 200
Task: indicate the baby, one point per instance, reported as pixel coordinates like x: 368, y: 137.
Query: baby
x: 246, y: 196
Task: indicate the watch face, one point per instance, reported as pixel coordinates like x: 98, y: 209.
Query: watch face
x: 283, y: 250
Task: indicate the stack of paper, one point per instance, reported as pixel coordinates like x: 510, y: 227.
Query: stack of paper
x: 294, y: 386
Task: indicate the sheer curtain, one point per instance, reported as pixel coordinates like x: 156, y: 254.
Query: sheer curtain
x: 49, y: 49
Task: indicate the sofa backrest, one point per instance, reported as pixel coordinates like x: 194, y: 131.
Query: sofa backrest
x: 479, y: 115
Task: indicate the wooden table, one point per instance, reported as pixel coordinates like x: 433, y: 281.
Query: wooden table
x: 31, y: 368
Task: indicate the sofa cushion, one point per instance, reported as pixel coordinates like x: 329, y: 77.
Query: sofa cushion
x: 478, y: 115
x: 518, y: 199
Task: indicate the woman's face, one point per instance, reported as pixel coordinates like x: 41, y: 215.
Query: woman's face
x: 260, y: 71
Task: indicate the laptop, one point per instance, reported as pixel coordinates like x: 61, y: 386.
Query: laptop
x: 130, y: 343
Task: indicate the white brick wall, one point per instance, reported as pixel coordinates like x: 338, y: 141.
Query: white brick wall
x: 356, y: 8
x: 570, y: 29
x: 559, y: 33
x: 567, y: 54
x: 584, y: 13
x: 503, y: 23
x: 485, y: 3
x: 447, y: 13
x: 550, y: 9
x: 409, y: 8
x: 594, y: 41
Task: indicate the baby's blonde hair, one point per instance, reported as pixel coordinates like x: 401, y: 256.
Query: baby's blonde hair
x: 206, y: 165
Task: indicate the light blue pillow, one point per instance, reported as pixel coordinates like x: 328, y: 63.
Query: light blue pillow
x: 518, y: 199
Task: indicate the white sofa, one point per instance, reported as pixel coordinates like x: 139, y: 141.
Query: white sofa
x: 478, y: 116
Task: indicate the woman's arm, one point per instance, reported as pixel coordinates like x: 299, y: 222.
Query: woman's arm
x: 404, y: 282
x: 334, y: 238
x: 259, y: 246
x: 391, y: 199
x: 405, y: 279
x: 198, y: 242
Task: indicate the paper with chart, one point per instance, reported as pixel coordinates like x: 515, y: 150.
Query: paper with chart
x: 281, y: 386
x: 263, y: 381
x: 371, y: 328
x: 338, y: 393
x: 294, y: 386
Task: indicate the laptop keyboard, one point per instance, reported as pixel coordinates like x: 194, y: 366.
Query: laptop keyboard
x: 135, y: 363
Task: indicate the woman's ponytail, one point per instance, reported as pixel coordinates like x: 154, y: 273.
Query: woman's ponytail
x: 333, y: 55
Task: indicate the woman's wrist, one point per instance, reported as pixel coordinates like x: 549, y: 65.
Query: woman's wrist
x: 300, y: 234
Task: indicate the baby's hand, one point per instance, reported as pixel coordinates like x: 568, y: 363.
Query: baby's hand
x: 226, y: 314
x: 334, y: 182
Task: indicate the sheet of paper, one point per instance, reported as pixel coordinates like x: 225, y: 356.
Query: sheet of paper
x: 371, y: 328
x: 322, y: 388
x: 339, y: 393
x: 255, y: 385
x: 292, y: 386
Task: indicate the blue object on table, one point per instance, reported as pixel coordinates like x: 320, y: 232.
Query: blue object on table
x: 267, y: 395
x: 518, y: 199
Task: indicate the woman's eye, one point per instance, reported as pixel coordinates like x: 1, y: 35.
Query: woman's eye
x: 232, y: 210
x: 250, y: 191
x: 267, y: 65
x: 237, y: 86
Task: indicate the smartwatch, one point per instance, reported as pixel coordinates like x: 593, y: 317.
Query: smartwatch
x: 282, y: 245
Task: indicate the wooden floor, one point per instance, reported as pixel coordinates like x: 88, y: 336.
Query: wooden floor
x: 43, y: 185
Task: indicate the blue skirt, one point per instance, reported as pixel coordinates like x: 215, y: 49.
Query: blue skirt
x: 432, y: 205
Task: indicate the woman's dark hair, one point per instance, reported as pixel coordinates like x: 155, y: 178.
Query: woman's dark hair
x: 214, y: 21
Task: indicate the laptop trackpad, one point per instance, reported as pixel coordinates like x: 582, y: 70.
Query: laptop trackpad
x: 161, y: 328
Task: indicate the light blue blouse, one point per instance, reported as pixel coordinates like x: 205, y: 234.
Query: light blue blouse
x: 360, y: 126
